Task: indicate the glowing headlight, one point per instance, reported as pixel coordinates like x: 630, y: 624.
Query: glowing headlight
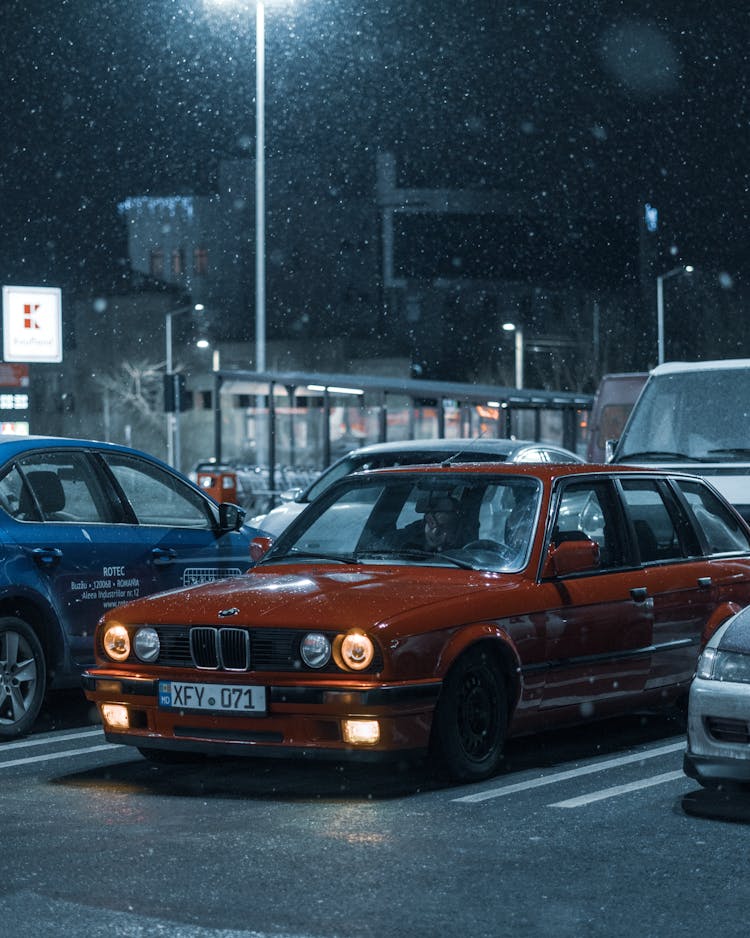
x: 355, y: 651
x: 315, y: 650
x: 146, y: 644
x: 116, y: 642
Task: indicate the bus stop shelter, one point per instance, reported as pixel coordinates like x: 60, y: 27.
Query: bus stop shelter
x: 412, y: 408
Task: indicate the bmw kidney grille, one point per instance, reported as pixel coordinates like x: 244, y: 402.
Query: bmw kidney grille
x: 228, y: 649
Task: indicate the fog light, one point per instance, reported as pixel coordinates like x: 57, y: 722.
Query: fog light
x: 361, y: 732
x: 116, y: 716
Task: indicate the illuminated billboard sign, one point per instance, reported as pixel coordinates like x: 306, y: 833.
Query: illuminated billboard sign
x: 32, y: 324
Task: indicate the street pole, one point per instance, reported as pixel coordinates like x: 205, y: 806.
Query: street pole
x: 684, y: 269
x: 170, y: 414
x: 173, y: 417
x: 260, y: 189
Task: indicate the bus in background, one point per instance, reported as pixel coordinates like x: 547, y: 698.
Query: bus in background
x: 611, y: 408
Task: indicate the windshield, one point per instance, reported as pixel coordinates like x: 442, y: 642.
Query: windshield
x: 697, y: 415
x: 478, y: 522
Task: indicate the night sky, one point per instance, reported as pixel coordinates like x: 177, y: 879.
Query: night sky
x: 584, y: 107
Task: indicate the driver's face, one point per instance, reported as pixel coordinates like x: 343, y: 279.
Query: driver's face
x: 440, y: 528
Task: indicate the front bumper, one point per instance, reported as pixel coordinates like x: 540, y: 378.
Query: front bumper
x: 718, y: 732
x: 301, y: 720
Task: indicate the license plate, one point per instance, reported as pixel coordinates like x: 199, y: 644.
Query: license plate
x: 218, y: 698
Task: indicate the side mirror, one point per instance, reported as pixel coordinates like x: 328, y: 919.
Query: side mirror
x: 290, y: 495
x: 609, y: 449
x: 571, y: 557
x: 231, y: 517
x: 259, y: 547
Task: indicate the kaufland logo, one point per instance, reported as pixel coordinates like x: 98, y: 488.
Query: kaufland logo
x: 32, y: 324
x: 30, y: 320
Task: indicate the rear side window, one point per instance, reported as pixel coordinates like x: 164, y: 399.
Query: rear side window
x: 656, y: 533
x: 156, y: 496
x: 54, y: 487
x: 719, y: 527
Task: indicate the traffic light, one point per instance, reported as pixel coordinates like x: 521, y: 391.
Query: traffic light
x: 176, y: 396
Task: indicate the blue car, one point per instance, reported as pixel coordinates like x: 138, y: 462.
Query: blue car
x: 86, y: 526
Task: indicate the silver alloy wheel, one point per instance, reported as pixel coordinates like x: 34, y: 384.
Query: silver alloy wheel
x: 22, y: 677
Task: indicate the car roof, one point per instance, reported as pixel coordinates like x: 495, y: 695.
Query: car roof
x: 545, y: 471
x: 669, y: 368
x: 13, y: 445
x: 462, y: 446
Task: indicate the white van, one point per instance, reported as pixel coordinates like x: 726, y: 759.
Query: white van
x: 695, y: 416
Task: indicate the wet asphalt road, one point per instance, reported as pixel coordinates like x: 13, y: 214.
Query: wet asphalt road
x: 593, y: 831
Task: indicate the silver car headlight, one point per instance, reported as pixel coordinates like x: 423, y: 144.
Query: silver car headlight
x: 146, y: 644
x: 715, y: 665
x: 315, y: 649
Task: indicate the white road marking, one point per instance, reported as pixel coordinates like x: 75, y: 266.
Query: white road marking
x: 570, y: 773
x: 49, y: 738
x: 50, y: 757
x: 618, y: 790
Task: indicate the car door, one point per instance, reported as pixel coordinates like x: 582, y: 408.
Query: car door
x: 676, y: 576
x: 598, y: 623
x: 177, y: 526
x: 70, y: 544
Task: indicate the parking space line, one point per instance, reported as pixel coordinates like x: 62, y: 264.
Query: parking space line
x: 49, y: 738
x: 618, y: 790
x: 51, y: 756
x: 570, y: 773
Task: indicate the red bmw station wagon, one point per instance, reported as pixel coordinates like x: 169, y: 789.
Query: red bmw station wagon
x: 433, y: 610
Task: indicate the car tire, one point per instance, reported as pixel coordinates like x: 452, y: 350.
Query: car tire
x: 23, y: 677
x: 470, y: 722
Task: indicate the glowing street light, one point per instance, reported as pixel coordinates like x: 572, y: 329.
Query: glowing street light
x: 683, y: 269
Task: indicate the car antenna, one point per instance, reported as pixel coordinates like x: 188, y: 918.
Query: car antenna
x: 451, y: 459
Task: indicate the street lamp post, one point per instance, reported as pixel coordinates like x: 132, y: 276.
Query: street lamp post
x: 683, y: 269
x: 260, y: 186
x: 173, y: 417
x: 518, y: 347
x: 260, y: 176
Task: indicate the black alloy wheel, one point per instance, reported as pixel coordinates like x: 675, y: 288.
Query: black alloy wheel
x: 471, y: 718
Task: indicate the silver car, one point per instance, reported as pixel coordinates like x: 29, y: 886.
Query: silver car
x: 409, y: 453
x: 718, y: 749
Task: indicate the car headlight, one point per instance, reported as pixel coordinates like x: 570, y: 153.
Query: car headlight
x: 146, y: 644
x: 116, y: 642
x: 714, y: 665
x: 354, y: 651
x: 315, y: 649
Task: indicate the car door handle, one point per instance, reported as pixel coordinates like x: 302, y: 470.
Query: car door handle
x: 704, y: 581
x: 639, y: 593
x: 162, y: 555
x: 47, y: 556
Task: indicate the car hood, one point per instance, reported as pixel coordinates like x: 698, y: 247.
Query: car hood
x: 326, y: 597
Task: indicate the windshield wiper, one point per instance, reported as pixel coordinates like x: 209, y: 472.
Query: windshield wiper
x: 414, y: 553
x: 660, y: 454
x: 316, y: 555
x: 730, y: 451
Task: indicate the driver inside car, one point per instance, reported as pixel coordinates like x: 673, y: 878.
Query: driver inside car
x: 440, y: 529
